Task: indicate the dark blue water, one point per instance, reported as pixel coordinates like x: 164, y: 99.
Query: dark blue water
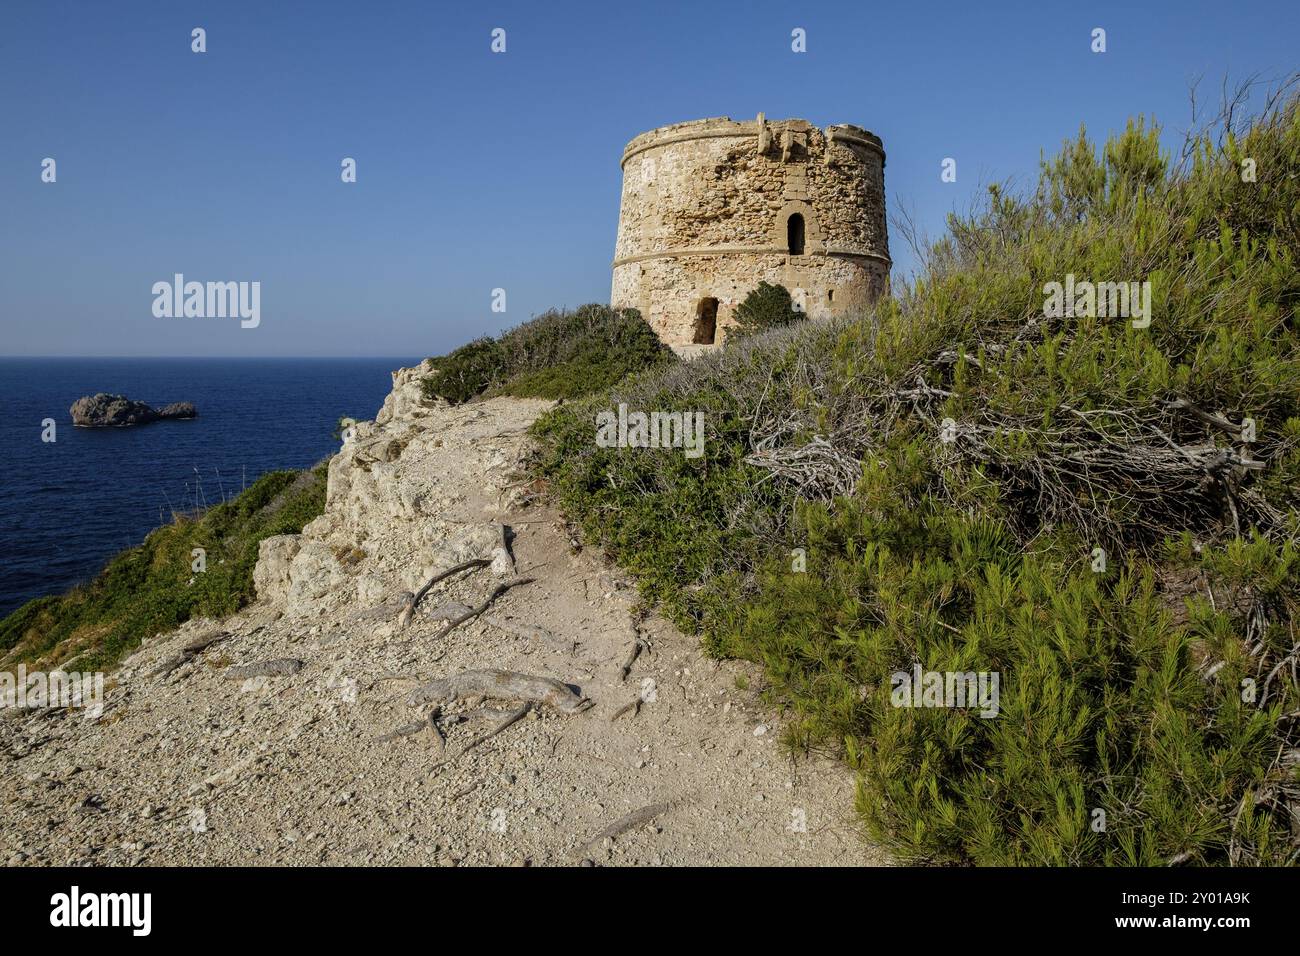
x: 68, y: 506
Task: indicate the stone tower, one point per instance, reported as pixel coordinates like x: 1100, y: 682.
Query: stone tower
x: 712, y: 207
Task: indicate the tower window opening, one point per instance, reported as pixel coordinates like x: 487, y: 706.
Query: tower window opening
x: 706, y: 321
x: 794, y: 234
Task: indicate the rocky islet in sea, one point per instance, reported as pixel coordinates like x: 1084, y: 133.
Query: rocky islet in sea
x: 114, y: 411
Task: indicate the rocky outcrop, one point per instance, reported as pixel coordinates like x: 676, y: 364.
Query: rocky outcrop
x: 178, y: 410
x: 271, y: 574
x: 114, y: 411
x: 407, y: 400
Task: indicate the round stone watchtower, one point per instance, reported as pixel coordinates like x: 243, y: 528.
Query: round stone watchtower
x: 713, y: 207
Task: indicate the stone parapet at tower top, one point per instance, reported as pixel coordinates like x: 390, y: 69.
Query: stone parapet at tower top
x: 713, y: 207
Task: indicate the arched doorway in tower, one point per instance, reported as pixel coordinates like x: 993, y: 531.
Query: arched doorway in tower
x: 794, y: 231
x: 706, y: 321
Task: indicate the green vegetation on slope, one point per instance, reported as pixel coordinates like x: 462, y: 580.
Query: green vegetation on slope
x: 766, y: 307
x: 961, y: 482
x: 560, y: 354
x: 152, y: 588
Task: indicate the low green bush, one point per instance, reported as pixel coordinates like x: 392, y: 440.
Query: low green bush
x: 466, y: 372
x: 561, y: 354
x: 767, y: 306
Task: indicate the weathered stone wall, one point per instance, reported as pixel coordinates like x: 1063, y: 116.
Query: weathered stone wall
x: 705, y: 216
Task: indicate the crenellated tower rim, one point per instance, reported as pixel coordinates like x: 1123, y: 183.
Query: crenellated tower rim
x: 725, y: 126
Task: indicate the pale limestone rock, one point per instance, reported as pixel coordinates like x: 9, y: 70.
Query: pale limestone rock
x: 315, y: 574
x: 406, y: 400
x: 271, y: 574
x: 389, y: 490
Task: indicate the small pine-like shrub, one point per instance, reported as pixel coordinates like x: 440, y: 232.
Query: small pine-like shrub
x: 560, y: 354
x: 466, y: 372
x: 767, y: 307
x: 565, y: 354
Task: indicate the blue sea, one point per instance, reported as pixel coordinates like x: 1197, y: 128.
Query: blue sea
x: 69, y: 505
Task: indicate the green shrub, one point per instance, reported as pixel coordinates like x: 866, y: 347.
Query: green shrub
x: 768, y: 306
x: 152, y: 588
x: 466, y: 372
x: 1104, y: 699
x: 960, y: 481
x: 560, y: 354
x: 567, y: 354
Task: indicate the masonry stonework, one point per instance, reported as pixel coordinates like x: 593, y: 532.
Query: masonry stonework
x: 713, y: 207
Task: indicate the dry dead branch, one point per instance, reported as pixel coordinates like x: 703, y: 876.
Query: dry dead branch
x: 274, y: 668
x: 1125, y: 475
x: 464, y: 792
x: 189, y: 651
x: 634, y: 819
x: 439, y: 741
x: 639, y: 644
x: 500, y: 685
x: 529, y: 632
x: 413, y: 600
x: 634, y: 706
x: 430, y: 721
x: 472, y: 613
x: 513, y: 717
x: 405, y: 730
x: 384, y: 612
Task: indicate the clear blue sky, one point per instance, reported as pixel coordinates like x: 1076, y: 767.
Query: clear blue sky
x: 479, y: 171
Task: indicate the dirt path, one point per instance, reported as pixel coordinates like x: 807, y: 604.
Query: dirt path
x: 194, y: 766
